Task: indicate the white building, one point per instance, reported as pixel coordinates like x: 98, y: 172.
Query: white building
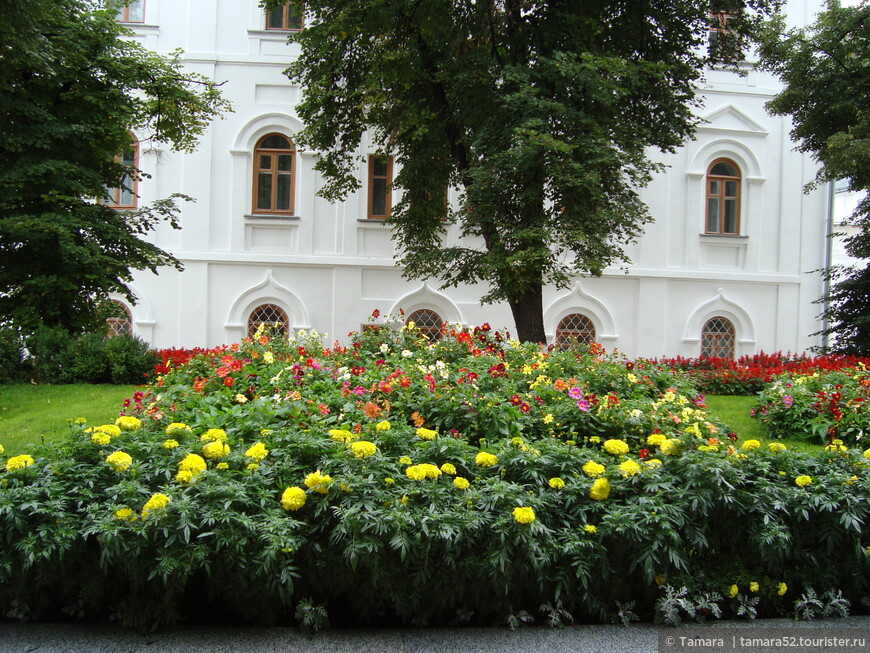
x: 727, y: 260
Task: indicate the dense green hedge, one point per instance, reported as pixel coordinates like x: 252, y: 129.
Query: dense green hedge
x: 472, y: 480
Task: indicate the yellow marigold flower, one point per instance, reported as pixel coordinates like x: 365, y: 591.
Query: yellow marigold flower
x: 524, y: 515
x: 404, y: 500
x: 803, y: 480
x: 252, y: 467
x: 363, y: 449
x: 615, y: 447
x: 170, y: 444
x: 185, y: 476
x: 590, y: 528
x: 852, y: 479
x: 708, y: 448
x: 781, y: 589
x: 594, y: 439
x: 670, y: 447
x: 120, y: 461
x: 214, y: 435
x: 655, y: 439
x: 158, y: 500
x: 776, y: 447
x: 629, y: 468
x: 867, y: 454
x: 222, y: 466
x: 517, y: 442
x: 753, y: 586
x: 257, y: 451
x: 404, y: 460
x: 556, y: 483
x: 383, y: 426
x: 461, y: 483
x: 449, y: 468
x: 653, y: 462
x: 241, y: 399
x: 215, y: 449
x: 100, y: 438
x: 733, y: 591
x: 193, y: 463
x: 125, y: 514
x: 750, y: 445
x: 177, y: 428
x: 293, y: 498
x: 426, y: 434
x: 600, y: 489
x: 836, y: 448
x: 341, y: 435
x: 128, y: 423
x: 109, y: 429
x: 593, y: 469
x: 389, y: 481
x: 318, y: 482
x: 484, y: 459
x: 425, y: 470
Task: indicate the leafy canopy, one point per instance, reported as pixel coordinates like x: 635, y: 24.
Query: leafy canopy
x: 826, y: 72
x: 72, y: 89
x: 542, y: 114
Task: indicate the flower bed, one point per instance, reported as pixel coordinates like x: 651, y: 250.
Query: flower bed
x: 391, y: 480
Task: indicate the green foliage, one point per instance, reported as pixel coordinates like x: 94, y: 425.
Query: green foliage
x: 129, y: 359
x: 74, y: 87
x: 277, y: 478
x: 824, y: 70
x: 48, y: 350
x: 89, y: 361
x: 543, y: 115
x: 11, y: 355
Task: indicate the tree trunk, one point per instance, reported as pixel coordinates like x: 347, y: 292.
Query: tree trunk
x: 528, y: 312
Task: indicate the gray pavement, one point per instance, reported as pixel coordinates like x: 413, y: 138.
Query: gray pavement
x: 637, y: 638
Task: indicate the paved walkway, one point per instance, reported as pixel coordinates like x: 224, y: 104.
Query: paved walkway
x: 638, y: 638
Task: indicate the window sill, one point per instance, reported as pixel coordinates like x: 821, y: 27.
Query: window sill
x: 706, y: 236
x: 380, y: 222
x: 273, y: 34
x: 272, y: 217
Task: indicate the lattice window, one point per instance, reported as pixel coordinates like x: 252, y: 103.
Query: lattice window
x: 575, y: 330
x: 273, y: 319
x: 120, y: 324
x: 428, y: 322
x: 717, y: 338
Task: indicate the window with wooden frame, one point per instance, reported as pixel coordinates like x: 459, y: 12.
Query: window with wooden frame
x: 288, y: 17
x: 120, y: 324
x: 380, y: 200
x: 723, y: 44
x: 132, y: 12
x: 717, y: 338
x: 723, y: 198
x: 272, y: 318
x: 274, y: 175
x: 574, y: 330
x: 427, y: 322
x: 126, y: 195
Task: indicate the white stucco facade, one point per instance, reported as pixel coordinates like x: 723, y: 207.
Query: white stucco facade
x: 328, y: 266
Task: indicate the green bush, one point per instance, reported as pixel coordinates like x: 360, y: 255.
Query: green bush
x: 396, y: 481
x: 130, y: 359
x: 88, y: 360
x: 48, y: 354
x: 11, y: 355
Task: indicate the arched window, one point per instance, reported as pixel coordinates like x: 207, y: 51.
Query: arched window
x: 274, y: 175
x: 723, y: 198
x: 717, y: 338
x: 272, y: 318
x: 126, y: 195
x: 120, y: 324
x: 428, y: 323
x: 574, y: 329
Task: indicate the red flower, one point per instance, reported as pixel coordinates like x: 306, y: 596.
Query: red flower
x: 525, y: 407
x: 376, y: 314
x: 228, y: 381
x: 644, y: 454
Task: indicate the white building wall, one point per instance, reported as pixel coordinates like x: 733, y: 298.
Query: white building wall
x: 329, y: 267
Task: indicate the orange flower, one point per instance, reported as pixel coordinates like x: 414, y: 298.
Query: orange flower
x: 417, y: 419
x: 372, y: 410
x: 560, y: 385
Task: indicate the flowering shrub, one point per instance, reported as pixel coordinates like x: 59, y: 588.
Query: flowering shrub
x: 827, y: 406
x: 393, y: 479
x: 748, y: 375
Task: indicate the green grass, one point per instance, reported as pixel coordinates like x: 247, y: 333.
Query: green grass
x: 733, y: 411
x: 31, y: 413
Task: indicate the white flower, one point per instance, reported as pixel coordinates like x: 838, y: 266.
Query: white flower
x: 385, y: 348
x: 406, y: 353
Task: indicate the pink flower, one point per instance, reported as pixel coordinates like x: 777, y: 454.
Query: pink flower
x: 575, y: 393
x: 583, y: 405
x: 787, y: 400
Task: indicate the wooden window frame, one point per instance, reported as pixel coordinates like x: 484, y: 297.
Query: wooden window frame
x: 273, y: 170
x: 718, y: 25
x: 427, y: 329
x: 718, y: 336
x: 564, y: 334
x: 123, y: 15
x: 285, y: 20
x: 722, y: 197
x: 113, y: 195
x: 388, y: 203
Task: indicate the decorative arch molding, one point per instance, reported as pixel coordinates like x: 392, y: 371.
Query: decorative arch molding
x: 577, y: 300
x: 731, y: 119
x: 726, y: 148
x: 263, y: 124
x: 142, y: 313
x: 268, y: 291
x: 744, y: 329
x: 427, y: 297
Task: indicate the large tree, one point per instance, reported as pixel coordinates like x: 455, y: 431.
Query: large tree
x: 71, y: 90
x: 544, y: 114
x: 825, y: 69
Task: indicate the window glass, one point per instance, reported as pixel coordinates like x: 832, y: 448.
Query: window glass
x: 717, y: 338
x: 575, y: 330
x: 274, y: 178
x: 723, y: 198
x: 428, y: 323
x: 272, y: 318
x: 380, y: 179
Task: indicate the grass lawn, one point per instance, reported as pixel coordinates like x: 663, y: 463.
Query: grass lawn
x: 733, y: 411
x: 30, y: 413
